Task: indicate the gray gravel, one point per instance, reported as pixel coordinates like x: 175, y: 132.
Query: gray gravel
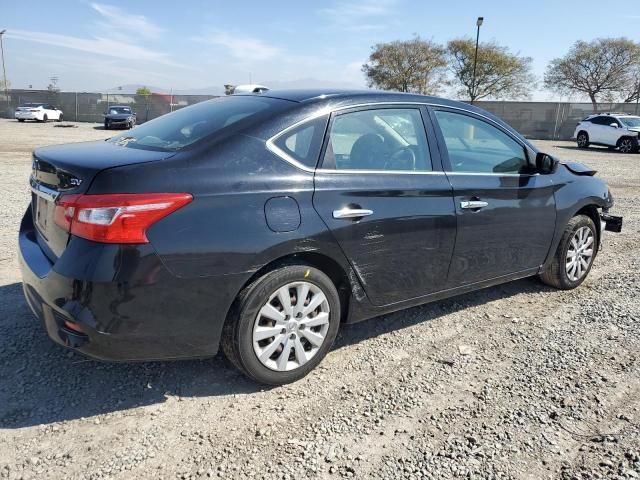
x: 516, y: 381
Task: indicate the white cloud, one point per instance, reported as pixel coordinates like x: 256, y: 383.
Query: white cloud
x: 242, y: 47
x: 351, y: 14
x: 118, y: 19
x: 97, y: 45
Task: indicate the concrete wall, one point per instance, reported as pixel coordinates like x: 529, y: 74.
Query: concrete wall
x: 536, y: 120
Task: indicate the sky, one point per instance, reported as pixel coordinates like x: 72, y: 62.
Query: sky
x: 193, y: 44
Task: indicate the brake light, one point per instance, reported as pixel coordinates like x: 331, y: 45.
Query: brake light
x: 116, y: 218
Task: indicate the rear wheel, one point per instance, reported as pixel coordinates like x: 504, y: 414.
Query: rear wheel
x: 283, y: 324
x: 583, y: 140
x: 45, y: 119
x: 60, y: 118
x: 574, y: 256
x: 21, y: 119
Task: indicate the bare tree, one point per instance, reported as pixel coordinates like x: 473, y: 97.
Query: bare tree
x: 601, y: 68
x: 499, y: 73
x: 414, y: 65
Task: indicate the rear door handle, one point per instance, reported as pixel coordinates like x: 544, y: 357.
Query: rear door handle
x: 473, y: 204
x: 352, y: 213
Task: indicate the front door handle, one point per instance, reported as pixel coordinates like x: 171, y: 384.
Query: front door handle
x: 352, y: 213
x: 473, y: 204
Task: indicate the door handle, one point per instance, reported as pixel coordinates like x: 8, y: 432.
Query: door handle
x: 352, y: 213
x: 473, y: 204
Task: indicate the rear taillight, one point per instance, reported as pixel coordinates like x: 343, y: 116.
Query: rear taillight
x: 34, y: 110
x: 116, y: 218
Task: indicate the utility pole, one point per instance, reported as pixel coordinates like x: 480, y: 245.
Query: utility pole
x: 475, y: 59
x: 4, y: 72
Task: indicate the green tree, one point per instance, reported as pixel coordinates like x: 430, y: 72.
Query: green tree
x: 143, y: 91
x: 414, y: 65
x: 499, y: 73
x: 604, y: 67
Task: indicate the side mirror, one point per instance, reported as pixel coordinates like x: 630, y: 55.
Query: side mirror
x: 545, y: 163
x: 614, y: 125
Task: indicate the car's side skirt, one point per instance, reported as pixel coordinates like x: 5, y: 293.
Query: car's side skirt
x: 360, y: 311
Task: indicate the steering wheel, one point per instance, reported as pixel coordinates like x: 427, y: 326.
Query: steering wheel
x: 402, y: 159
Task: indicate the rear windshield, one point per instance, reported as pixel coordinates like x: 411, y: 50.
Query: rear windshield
x: 32, y: 105
x: 187, y: 126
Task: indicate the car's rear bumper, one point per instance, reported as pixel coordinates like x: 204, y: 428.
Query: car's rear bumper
x: 119, y: 303
x: 27, y: 116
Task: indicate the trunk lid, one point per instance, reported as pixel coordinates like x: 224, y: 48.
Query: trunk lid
x: 69, y: 169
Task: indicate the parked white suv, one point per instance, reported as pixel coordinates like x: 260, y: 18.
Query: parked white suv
x: 40, y: 112
x: 613, y: 130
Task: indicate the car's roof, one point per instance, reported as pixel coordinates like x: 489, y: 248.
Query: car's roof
x: 357, y: 96
x: 612, y: 114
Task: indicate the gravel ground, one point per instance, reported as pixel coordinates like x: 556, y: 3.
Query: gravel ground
x: 516, y: 381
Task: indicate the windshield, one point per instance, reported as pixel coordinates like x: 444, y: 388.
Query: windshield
x: 630, y: 121
x: 188, y: 125
x: 117, y: 110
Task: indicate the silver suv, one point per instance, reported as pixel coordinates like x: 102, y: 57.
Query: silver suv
x: 613, y: 130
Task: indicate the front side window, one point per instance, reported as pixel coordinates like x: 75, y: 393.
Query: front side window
x: 189, y: 125
x: 475, y: 146
x: 391, y: 139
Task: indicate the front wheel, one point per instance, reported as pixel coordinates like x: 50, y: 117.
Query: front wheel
x: 628, y: 145
x: 107, y: 125
x: 45, y: 118
x: 283, y: 324
x: 574, y: 256
x: 60, y: 118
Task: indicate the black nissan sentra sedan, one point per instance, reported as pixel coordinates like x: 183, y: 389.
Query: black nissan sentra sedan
x: 260, y: 223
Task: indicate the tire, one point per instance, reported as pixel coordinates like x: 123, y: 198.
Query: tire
x: 242, y: 349
x: 21, y: 120
x: 558, y: 273
x: 628, y: 145
x: 582, y: 140
x: 60, y: 118
x: 45, y: 119
x: 106, y: 125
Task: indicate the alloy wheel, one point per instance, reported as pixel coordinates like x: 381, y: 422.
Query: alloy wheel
x: 626, y: 145
x: 291, y: 326
x: 582, y: 140
x: 580, y: 253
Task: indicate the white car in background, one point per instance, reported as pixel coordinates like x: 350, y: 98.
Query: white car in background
x: 40, y: 112
x: 613, y: 130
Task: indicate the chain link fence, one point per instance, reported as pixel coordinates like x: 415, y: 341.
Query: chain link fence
x: 549, y: 120
x: 536, y: 120
x: 90, y: 107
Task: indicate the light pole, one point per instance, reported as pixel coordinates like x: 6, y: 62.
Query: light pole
x: 475, y: 59
x: 4, y: 72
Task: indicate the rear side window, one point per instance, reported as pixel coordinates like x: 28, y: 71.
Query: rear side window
x: 392, y: 139
x: 474, y: 146
x: 206, y: 120
x: 303, y: 143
